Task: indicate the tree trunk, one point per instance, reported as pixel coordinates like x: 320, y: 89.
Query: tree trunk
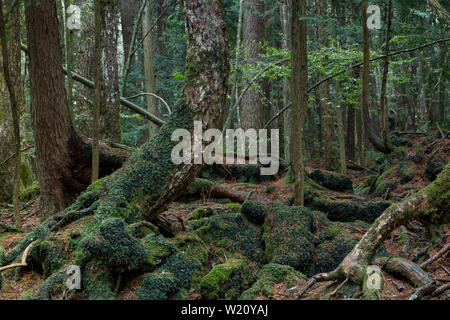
x: 383, y: 98
x: 149, y: 69
x: 7, y: 141
x: 285, y: 10
x: 63, y: 168
x: 252, y: 111
x: 13, y: 80
x: 128, y: 10
x: 107, y: 70
x: 371, y: 134
x: 327, y: 123
x: 49, y: 108
x: 443, y: 103
x: 299, y: 95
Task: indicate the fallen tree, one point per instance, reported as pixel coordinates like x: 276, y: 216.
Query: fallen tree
x: 429, y: 206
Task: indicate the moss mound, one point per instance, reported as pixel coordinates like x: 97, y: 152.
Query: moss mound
x: 270, y: 275
x: 230, y: 232
x: 331, y: 180
x: 226, y: 281
x: 253, y: 211
x: 288, y: 237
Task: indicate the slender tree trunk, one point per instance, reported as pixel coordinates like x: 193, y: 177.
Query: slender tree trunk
x: 235, y: 88
x: 299, y: 95
x: 128, y: 10
x: 443, y: 103
x: 371, y: 135
x: 285, y: 10
x: 11, y: 83
x: 149, y: 68
x: 252, y: 111
x: 383, y: 99
x: 327, y: 123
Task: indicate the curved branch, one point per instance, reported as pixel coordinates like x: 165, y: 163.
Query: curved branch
x: 153, y: 95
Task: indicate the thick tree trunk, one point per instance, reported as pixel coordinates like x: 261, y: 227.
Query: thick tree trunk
x: 299, y: 96
x: 64, y: 170
x: 252, y: 111
x: 383, y: 98
x: 7, y: 141
x: 12, y: 80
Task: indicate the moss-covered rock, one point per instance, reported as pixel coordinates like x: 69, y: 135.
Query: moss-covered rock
x: 399, y: 141
x: 434, y: 166
x: 114, y: 244
x: 196, y: 249
x: 288, y: 237
x: 29, y: 193
x: 244, y: 173
x: 226, y: 281
x: 253, y: 211
x: 231, y: 232
x: 270, y: 275
x: 331, y: 180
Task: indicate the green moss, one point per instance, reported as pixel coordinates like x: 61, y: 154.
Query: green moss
x: 406, y: 171
x: 114, y: 245
x: 270, y: 275
x: 26, y: 176
x: 253, y: 211
x: 399, y: 141
x: 230, y: 231
x: 347, y: 211
x: 225, y: 281
x: 97, y: 282
x: 434, y: 166
x: 200, y: 185
x: 48, y: 255
x: 195, y: 249
x: 331, y: 180
x: 29, y: 193
x: 287, y: 235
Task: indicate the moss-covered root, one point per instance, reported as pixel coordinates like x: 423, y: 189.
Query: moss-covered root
x: 430, y: 206
x: 405, y: 269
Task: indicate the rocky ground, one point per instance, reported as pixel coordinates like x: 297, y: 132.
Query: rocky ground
x: 233, y: 235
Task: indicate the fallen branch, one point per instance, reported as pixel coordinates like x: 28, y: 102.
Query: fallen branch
x: 130, y: 105
x: 334, y: 275
x: 439, y: 254
x: 23, y: 262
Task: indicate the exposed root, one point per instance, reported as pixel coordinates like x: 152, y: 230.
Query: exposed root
x: 23, y: 262
x: 333, y: 275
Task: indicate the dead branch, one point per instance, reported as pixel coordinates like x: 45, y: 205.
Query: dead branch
x: 439, y: 254
x: 333, y: 275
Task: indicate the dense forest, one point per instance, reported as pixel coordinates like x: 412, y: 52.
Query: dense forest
x: 224, y: 149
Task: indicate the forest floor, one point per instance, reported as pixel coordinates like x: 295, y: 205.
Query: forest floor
x: 413, y: 165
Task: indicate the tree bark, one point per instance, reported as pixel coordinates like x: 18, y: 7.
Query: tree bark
x: 7, y: 140
x: 128, y: 10
x: 285, y: 10
x: 252, y: 111
x: 299, y: 96
x: 12, y: 84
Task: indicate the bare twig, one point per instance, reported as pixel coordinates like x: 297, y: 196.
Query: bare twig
x: 23, y: 262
